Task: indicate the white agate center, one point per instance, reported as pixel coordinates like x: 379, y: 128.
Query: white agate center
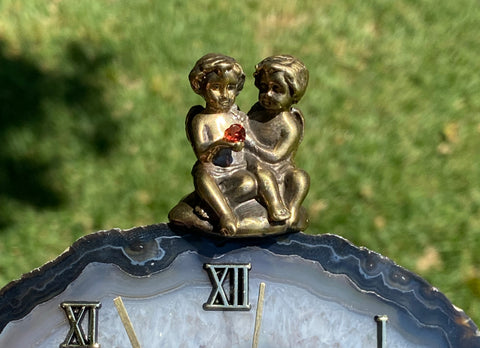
x: 304, y: 306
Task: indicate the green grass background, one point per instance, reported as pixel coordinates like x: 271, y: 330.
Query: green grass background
x: 93, y: 97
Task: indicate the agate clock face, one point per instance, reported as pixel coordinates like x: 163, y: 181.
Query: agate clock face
x: 188, y: 291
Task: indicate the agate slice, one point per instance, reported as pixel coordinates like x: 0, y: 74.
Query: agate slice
x: 321, y: 291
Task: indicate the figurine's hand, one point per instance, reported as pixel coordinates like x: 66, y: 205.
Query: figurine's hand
x: 234, y: 133
x: 218, y: 145
x: 238, y: 146
x: 249, y: 143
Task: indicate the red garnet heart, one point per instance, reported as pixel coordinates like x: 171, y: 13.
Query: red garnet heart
x: 234, y: 133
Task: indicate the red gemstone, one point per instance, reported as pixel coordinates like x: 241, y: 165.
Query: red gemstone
x: 234, y: 133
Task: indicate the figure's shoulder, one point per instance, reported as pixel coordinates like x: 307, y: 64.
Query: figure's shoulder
x: 194, y: 111
x: 297, y: 116
x: 256, y: 109
x: 238, y: 114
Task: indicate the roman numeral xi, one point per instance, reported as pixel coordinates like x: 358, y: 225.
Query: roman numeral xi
x: 76, y: 313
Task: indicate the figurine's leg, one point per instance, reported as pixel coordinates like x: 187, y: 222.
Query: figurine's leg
x: 240, y: 187
x: 270, y: 193
x: 183, y: 214
x: 297, y: 183
x: 208, y: 190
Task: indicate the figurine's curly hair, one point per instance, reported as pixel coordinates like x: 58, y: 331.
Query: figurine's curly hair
x: 295, y: 72
x: 217, y: 63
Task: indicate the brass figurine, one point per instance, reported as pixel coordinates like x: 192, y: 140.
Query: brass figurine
x: 246, y: 182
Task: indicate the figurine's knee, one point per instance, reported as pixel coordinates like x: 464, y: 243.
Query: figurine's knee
x: 302, y: 178
x: 297, y: 184
x: 265, y: 177
x: 298, y: 179
x: 241, y: 188
x: 201, y: 176
x: 199, y: 169
x: 248, y: 184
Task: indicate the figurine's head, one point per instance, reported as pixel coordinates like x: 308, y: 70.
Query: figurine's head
x: 218, y: 79
x: 281, y: 81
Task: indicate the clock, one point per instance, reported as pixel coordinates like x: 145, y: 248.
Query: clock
x: 155, y: 286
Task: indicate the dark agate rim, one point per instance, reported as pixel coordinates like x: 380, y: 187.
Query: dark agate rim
x: 142, y: 251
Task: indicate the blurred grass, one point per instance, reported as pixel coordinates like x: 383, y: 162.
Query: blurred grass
x: 93, y: 96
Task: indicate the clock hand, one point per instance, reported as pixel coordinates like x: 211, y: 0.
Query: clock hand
x: 381, y: 331
x: 258, y: 316
x: 122, y: 312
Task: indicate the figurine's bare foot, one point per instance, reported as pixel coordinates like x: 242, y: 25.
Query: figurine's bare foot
x: 228, y: 226
x: 279, y: 213
x: 201, y: 213
x: 183, y: 215
x: 298, y: 220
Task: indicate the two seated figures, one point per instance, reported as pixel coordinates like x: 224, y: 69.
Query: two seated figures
x: 246, y: 182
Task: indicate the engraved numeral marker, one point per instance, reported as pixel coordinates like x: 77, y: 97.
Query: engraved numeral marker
x: 235, y: 277
x: 75, y: 312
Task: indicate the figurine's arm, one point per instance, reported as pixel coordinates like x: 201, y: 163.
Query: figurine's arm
x: 205, y: 142
x: 291, y: 132
x: 214, y: 147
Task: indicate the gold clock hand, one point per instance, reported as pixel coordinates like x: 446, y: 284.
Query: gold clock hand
x: 122, y: 312
x: 381, y: 331
x: 258, y: 316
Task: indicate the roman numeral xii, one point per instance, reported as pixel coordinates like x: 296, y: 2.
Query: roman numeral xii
x: 229, y: 287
